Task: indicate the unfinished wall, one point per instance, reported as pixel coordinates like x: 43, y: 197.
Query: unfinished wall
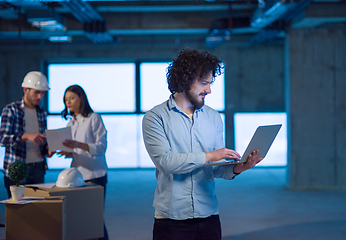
x: 316, y: 103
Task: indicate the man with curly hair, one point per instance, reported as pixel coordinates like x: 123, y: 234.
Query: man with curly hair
x: 181, y: 135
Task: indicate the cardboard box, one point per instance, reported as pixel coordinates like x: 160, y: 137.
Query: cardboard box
x: 84, y: 208
x: 40, y: 220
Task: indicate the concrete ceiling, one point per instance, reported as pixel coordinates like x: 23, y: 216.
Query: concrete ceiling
x: 135, y: 22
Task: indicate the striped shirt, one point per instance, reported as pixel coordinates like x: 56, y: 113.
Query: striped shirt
x: 12, y: 129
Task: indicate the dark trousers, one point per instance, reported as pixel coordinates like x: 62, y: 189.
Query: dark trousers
x: 190, y: 229
x: 101, y: 181
x: 36, y: 175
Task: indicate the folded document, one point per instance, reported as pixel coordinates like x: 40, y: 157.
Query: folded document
x: 56, y: 137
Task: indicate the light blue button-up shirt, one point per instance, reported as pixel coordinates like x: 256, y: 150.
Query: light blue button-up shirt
x: 185, y: 187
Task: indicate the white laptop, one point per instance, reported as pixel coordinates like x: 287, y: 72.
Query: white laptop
x: 262, y: 139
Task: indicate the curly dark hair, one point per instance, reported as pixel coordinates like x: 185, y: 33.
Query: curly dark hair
x: 84, y: 104
x: 189, y: 65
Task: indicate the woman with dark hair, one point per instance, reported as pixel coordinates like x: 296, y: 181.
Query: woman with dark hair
x: 85, y: 108
x: 89, y: 138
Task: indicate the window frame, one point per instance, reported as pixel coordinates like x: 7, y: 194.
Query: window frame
x: 138, y: 112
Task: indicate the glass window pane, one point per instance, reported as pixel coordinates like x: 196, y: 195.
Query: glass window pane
x: 56, y: 121
x: 122, y: 131
x: 109, y: 87
x: 144, y: 159
x: 216, y: 99
x: 245, y: 125
x: 122, y: 137
x: 154, y: 87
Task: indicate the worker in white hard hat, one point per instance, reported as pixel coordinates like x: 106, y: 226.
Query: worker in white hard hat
x: 23, y: 124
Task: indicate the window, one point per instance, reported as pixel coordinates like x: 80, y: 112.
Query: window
x: 245, y: 125
x: 109, y: 87
x: 154, y: 87
x: 112, y: 91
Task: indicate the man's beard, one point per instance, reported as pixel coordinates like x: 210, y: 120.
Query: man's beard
x: 32, y: 101
x: 194, y: 100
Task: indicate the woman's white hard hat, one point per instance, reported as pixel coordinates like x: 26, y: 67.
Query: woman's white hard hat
x: 35, y: 80
x: 70, y: 177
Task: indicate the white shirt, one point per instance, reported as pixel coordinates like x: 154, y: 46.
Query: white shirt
x: 90, y: 130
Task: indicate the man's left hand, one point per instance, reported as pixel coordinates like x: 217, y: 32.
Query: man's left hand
x: 251, y: 161
x: 49, y: 154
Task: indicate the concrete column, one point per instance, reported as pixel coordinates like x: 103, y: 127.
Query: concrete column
x: 253, y: 82
x: 315, y: 79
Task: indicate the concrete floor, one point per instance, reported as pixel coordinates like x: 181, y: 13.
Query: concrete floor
x: 255, y: 205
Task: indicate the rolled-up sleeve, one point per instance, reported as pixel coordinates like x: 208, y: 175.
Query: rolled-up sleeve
x: 9, y: 137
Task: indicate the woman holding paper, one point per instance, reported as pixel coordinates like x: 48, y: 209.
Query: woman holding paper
x: 89, y: 136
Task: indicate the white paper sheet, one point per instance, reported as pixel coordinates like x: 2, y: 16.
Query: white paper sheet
x: 24, y: 200
x: 56, y: 137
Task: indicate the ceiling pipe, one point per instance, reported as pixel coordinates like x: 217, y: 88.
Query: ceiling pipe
x: 220, y: 30
x: 89, y: 10
x: 84, y: 10
x: 94, y: 25
x: 290, y: 14
x: 75, y: 12
x: 271, y: 32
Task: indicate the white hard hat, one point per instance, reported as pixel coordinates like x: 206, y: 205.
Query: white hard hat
x: 35, y: 80
x: 70, y: 177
